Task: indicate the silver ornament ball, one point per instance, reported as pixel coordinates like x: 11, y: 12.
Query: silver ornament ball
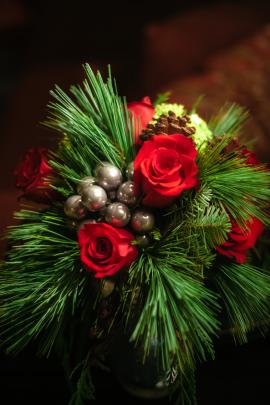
x: 107, y: 288
x: 142, y: 221
x: 117, y: 214
x: 94, y: 198
x: 85, y: 222
x: 85, y: 182
x: 143, y: 240
x: 126, y: 193
x: 130, y: 171
x: 108, y: 176
x: 112, y: 195
x: 74, y: 208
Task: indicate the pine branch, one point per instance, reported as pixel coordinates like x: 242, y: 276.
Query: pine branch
x: 243, y: 190
x: 96, y: 125
x: 177, y: 311
x: 42, y: 283
x: 245, y: 291
x: 229, y: 120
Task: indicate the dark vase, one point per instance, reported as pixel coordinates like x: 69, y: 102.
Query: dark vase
x: 139, y: 377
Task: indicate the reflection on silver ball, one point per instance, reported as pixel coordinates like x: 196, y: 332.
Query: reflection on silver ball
x: 143, y: 240
x: 117, y: 214
x: 130, y: 171
x: 107, y: 288
x: 85, y: 182
x: 108, y: 176
x: 142, y: 221
x: 112, y: 195
x: 126, y: 193
x: 85, y: 222
x: 94, y: 198
x: 74, y: 208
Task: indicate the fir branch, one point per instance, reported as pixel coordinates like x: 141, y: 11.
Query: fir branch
x: 96, y: 125
x: 42, y: 283
x: 207, y: 222
x: 176, y: 311
x: 229, y: 120
x: 245, y: 291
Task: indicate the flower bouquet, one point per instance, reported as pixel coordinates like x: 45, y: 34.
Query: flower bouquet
x: 144, y: 229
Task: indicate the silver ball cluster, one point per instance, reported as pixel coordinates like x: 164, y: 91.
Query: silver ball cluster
x: 111, y: 199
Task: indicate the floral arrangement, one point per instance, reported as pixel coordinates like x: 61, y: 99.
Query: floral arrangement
x: 144, y: 223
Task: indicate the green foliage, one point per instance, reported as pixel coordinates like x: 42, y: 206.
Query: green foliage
x: 42, y: 283
x: 96, y: 125
x: 243, y: 190
x: 85, y: 388
x: 196, y: 226
x: 245, y: 292
x: 162, y: 98
x: 46, y: 294
x: 176, y: 310
x: 229, y: 120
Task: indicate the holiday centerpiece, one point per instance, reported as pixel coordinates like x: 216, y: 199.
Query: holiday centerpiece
x: 142, y: 233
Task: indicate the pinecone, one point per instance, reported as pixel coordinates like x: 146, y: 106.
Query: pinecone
x: 168, y: 125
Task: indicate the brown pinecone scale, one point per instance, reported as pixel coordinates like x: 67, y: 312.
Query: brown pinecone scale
x: 168, y: 125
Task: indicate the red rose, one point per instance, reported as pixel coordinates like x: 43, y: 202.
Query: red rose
x: 251, y: 158
x: 105, y: 250
x: 242, y: 151
x: 143, y: 112
x: 163, y: 168
x: 240, y: 240
x: 31, y: 176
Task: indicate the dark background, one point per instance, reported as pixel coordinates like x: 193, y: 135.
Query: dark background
x: 220, y: 49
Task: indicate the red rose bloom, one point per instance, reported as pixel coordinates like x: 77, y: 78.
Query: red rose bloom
x: 105, y: 250
x: 251, y: 158
x: 31, y: 176
x: 164, y: 167
x: 240, y: 240
x: 143, y: 112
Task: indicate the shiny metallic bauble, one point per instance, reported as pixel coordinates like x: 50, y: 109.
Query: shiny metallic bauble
x: 117, y: 214
x: 130, y: 171
x: 107, y: 288
x: 142, y: 221
x: 85, y: 222
x: 94, y: 198
x: 143, y: 240
x: 112, y: 195
x: 74, y: 208
x: 108, y: 176
x: 126, y: 193
x: 85, y: 182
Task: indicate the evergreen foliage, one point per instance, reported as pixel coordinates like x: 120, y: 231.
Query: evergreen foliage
x: 41, y: 282
x: 165, y: 302
x: 96, y: 127
x: 245, y: 292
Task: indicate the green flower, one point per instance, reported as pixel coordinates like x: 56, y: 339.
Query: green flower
x: 203, y: 133
x: 164, y: 108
